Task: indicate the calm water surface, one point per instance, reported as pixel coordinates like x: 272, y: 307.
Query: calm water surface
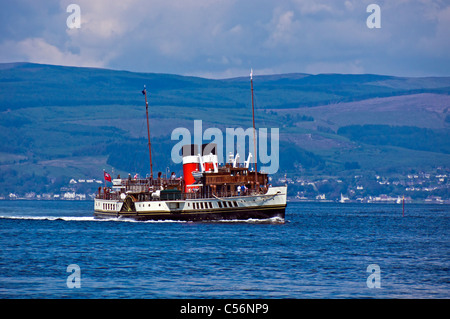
x: 321, y: 251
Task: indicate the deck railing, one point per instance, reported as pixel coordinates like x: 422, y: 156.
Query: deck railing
x: 147, y: 195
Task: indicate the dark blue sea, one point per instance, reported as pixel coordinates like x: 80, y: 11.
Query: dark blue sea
x: 323, y: 250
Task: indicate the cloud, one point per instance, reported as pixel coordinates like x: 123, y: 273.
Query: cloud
x: 102, y: 20
x: 285, y: 29
x: 39, y: 51
x: 308, y: 7
x: 349, y: 5
x: 226, y: 37
x: 437, y: 43
x: 348, y: 67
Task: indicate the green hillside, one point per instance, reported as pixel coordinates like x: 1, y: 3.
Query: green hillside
x: 31, y: 85
x: 58, y: 123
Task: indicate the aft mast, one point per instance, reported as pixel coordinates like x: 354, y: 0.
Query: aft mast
x: 254, y: 131
x: 144, y: 91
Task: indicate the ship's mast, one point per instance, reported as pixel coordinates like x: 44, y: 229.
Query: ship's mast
x: 254, y: 130
x: 148, y: 133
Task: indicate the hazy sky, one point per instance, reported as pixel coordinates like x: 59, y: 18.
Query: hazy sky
x: 225, y: 38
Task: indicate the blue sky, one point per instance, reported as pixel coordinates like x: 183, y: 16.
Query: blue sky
x: 225, y: 38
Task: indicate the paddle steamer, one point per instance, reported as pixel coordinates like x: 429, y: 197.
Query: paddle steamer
x: 207, y: 190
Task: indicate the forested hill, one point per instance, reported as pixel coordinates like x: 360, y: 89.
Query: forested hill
x: 59, y: 123
x: 28, y: 85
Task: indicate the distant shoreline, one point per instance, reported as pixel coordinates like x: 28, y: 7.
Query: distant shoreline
x: 289, y: 200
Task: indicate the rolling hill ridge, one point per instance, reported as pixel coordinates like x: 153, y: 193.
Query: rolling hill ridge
x: 58, y: 123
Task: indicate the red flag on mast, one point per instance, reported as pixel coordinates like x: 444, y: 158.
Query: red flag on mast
x: 107, y: 177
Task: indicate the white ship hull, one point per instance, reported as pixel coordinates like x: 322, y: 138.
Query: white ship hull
x: 260, y: 206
